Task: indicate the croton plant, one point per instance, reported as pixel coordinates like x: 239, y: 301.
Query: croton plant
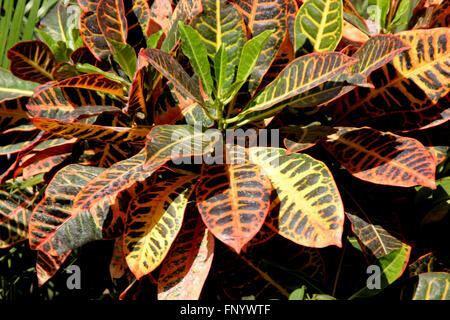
x: 244, y: 144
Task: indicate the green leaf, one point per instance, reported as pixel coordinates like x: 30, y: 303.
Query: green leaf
x: 403, y: 15
x: 125, y: 56
x: 61, y: 22
x: 221, y: 23
x: 378, y: 11
x: 88, y: 68
x: 12, y: 87
x: 249, y: 57
x: 322, y: 297
x: 321, y: 22
x: 48, y: 39
x: 300, y: 75
x: 195, y: 50
x: 61, y: 51
x: 31, y: 20
x: 220, y: 65
x: 392, y: 266
x: 298, y: 294
x: 354, y: 20
x: 153, y: 40
x: 433, y: 286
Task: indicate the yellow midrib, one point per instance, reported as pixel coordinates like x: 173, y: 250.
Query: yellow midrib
x: 12, y: 90
x: 322, y: 26
x: 34, y: 65
x: 219, y: 26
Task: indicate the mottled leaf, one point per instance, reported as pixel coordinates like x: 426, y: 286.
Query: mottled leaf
x: 433, y: 286
x: 155, y: 218
x: 320, y: 21
x: 260, y: 16
x: 233, y: 200
x: 382, y: 157
x: 188, y: 262
x: 316, y: 220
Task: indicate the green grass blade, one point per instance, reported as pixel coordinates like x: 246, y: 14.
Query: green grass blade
x: 4, y: 26
x: 31, y: 21
x: 16, y: 26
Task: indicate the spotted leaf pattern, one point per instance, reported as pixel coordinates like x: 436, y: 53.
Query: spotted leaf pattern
x: 44, y: 165
x: 88, y: 5
x: 221, y: 23
x: 382, y: 157
x: 92, y: 81
x: 136, y: 100
x: 300, y: 75
x: 54, y: 227
x: 412, y: 92
x: 13, y: 112
x: 178, y: 143
x: 155, y: 217
x: 14, y: 218
x: 260, y: 16
x: 233, y: 200
x: 66, y: 104
x: 92, y: 35
x: 427, y: 62
x: 311, y: 211
x: 374, y: 53
x: 185, y: 11
x: 376, y: 239
x: 110, y: 182
x: 161, y: 12
x: 188, y: 262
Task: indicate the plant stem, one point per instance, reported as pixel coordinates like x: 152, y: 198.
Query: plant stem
x: 338, y: 272
x: 220, y: 119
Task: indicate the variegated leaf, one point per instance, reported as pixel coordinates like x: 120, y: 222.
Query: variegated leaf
x: 155, y: 218
x: 14, y: 217
x: 47, y: 265
x: 13, y: 112
x: 112, y: 21
x: 54, y: 227
x: 220, y: 23
x: 84, y: 131
x: 188, y: 262
x: 233, y: 199
x: 316, y: 220
x: 320, y: 21
x: 300, y: 75
x: 260, y: 16
x: 92, y: 35
x: 174, y: 72
x: 32, y: 60
x: 382, y: 157
x: 433, y: 286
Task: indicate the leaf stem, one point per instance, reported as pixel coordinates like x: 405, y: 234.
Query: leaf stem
x: 338, y: 272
